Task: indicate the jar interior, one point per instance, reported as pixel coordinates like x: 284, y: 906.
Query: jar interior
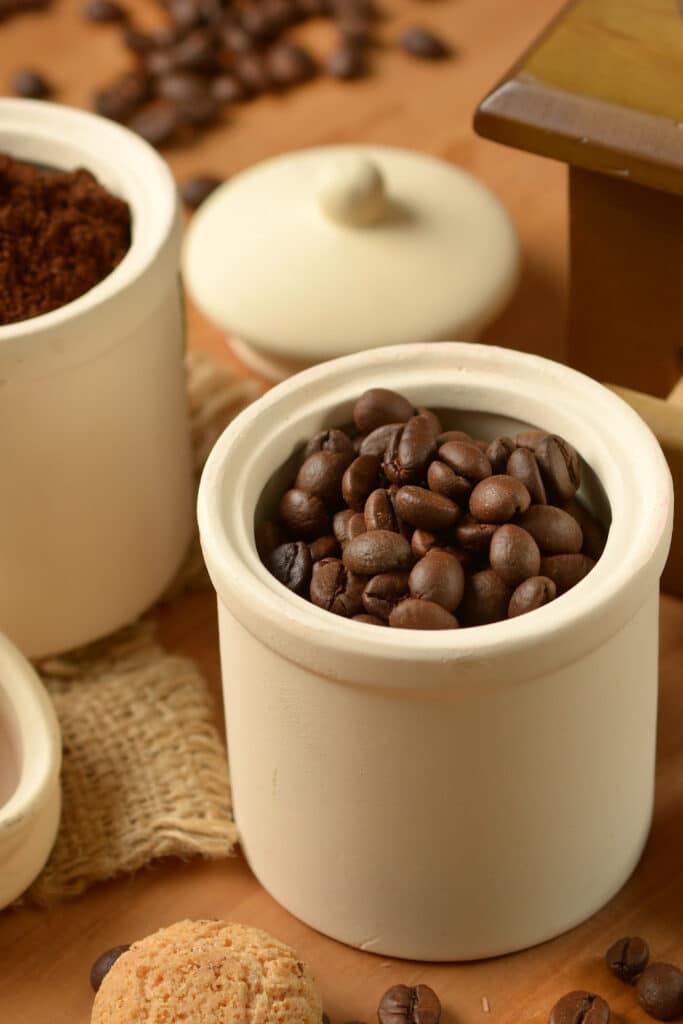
x: 9, y: 754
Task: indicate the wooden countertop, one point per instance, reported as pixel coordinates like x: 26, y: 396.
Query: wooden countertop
x: 45, y: 957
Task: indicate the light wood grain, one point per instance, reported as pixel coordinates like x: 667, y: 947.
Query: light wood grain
x: 45, y: 956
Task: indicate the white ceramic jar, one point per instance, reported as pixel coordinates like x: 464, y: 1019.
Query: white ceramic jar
x: 97, y: 490
x: 447, y: 795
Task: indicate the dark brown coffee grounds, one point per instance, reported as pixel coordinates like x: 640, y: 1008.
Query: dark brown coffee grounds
x: 60, y: 234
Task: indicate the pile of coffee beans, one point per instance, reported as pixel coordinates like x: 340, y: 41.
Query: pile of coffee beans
x: 395, y: 521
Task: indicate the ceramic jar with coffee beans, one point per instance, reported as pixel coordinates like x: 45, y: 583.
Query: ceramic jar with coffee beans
x: 416, y: 792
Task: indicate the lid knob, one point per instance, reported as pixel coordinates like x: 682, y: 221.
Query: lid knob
x: 351, y: 191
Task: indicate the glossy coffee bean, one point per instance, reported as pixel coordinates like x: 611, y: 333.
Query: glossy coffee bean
x: 423, y: 541
x: 566, y: 570
x: 530, y: 439
x: 359, y: 480
x: 304, y: 515
x: 438, y: 577
x: 291, y: 564
x: 443, y: 480
x: 407, y: 456
x: 532, y: 593
x: 414, y: 613
x: 486, y: 599
x: 432, y: 419
x: 523, y: 466
x: 123, y: 97
x: 514, y: 554
x: 104, y: 964
x: 660, y: 991
x: 498, y: 499
x: 31, y: 85
x: 627, y: 958
x: 321, y: 474
x: 425, y: 509
x: 158, y: 125
x: 453, y: 435
x: 336, y: 589
x: 267, y: 536
x: 340, y: 524
x: 555, y: 531
x: 324, y: 547
x: 371, y: 620
x: 379, y: 511
x: 289, y: 64
x: 377, y: 551
x: 421, y: 43
x: 379, y: 439
x: 383, y: 592
x: 465, y: 459
x: 378, y: 406
x: 252, y: 73
x: 227, y: 89
x: 594, y: 533
x: 499, y: 451
x: 473, y: 536
x: 580, y: 1008
x: 559, y: 466
x: 329, y: 441
x: 407, y: 1005
x: 356, y: 526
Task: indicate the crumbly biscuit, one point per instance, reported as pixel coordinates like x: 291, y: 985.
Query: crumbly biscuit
x: 208, y: 972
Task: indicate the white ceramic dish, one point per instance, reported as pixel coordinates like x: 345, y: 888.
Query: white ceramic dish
x: 94, y: 440
x: 447, y: 795
x: 30, y: 759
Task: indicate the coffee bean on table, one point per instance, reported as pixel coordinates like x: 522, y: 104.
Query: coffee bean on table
x: 31, y: 84
x: 321, y: 474
x: 420, y: 42
x: 347, y: 62
x: 514, y: 554
x: 555, y: 531
x: 497, y: 499
x: 336, y: 589
x: 377, y: 551
x: 359, y: 480
x: 378, y: 406
x: 499, y: 451
x: 330, y: 441
x: 424, y: 509
x: 660, y: 991
x: 196, y: 52
x: 291, y: 564
x: 486, y: 599
x: 324, y: 547
x: 402, y: 1004
x: 158, y: 125
x: 199, y: 187
x: 251, y: 71
x: 628, y: 957
x: 104, y: 964
x: 532, y: 593
x: 438, y: 577
x: 580, y: 1008
x: 383, y: 592
x: 566, y: 570
x: 181, y: 86
x: 443, y: 480
x: 378, y: 511
x: 523, y: 466
x: 289, y: 64
x: 103, y: 11
x: 227, y: 89
x: 465, y: 459
x: 304, y: 515
x: 123, y: 97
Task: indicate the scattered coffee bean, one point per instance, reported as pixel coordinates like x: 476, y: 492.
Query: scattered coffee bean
x: 336, y: 589
x: 103, y: 11
x: 324, y: 547
x: 414, y: 613
x: 426, y: 510
x: 466, y: 459
x: 321, y: 474
x: 289, y: 64
x: 120, y: 100
x: 438, y: 577
x: 514, y: 554
x: 330, y: 441
x: 377, y: 551
x: 486, y: 599
x: 497, y: 499
x: 555, y: 531
x: 252, y: 73
x: 383, y: 592
x: 304, y: 515
x: 199, y: 187
x: 359, y: 480
x: 580, y: 1008
x: 660, y: 991
x: 227, y: 89
x: 348, y: 62
x: 291, y: 564
x: 566, y: 570
x: 523, y: 466
x: 31, y: 85
x: 532, y: 593
x: 157, y: 125
x: 420, y: 42
x: 402, y: 1004
x: 627, y: 958
x: 379, y: 406
x: 104, y: 964
x: 379, y: 511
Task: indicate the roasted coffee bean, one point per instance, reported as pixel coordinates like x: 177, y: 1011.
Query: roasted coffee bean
x: 465, y: 459
x: 324, y: 547
x: 407, y: 457
x: 660, y: 991
x: 530, y: 439
x: 555, y: 531
x: 580, y: 1008
x: 321, y: 474
x: 438, y: 577
x: 627, y: 958
x: 371, y: 620
x: 383, y: 592
x: 566, y: 570
x: 289, y: 64
x: 497, y: 499
x: 420, y: 42
x: 104, y: 964
x: 158, y: 125
x: 425, y: 509
x: 432, y: 419
x: 594, y: 533
x: 414, y: 613
x: 379, y: 439
x: 227, y: 89
x: 347, y: 62
x: 378, y: 406
x: 404, y: 1005
x: 523, y: 466
x: 354, y: 28
x: 123, y: 97
x: 196, y: 52
x: 103, y: 11
x: 473, y: 536
x: 304, y: 515
x: 330, y: 441
x: 443, y: 480
x: 356, y: 526
x: 31, y: 85
x: 336, y: 589
x: 499, y: 451
x: 486, y: 599
x: 453, y: 435
x: 199, y: 112
x: 235, y: 40
x: 377, y: 551
x: 340, y: 524
x: 256, y: 23
x: 136, y: 41
x: 360, y: 478
x: 251, y: 71
x: 379, y: 511
x: 532, y: 593
x: 291, y: 564
x: 199, y: 187
x: 423, y: 541
x: 160, y: 63
x: 180, y: 86
x: 559, y: 466
x: 514, y: 554
x: 267, y: 535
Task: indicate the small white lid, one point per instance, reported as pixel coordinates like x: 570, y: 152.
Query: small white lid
x: 331, y: 250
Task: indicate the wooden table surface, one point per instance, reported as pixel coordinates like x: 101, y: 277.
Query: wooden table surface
x: 45, y: 956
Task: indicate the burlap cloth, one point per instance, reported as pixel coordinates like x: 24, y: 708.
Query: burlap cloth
x: 144, y: 772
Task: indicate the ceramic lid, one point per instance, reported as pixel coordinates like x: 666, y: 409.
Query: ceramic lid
x: 331, y: 250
